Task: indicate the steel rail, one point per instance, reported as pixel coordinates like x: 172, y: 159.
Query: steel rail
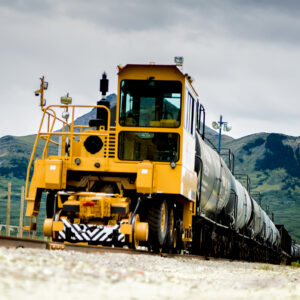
x: 14, y: 242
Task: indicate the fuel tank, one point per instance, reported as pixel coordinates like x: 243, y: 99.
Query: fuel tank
x: 277, y: 241
x: 275, y: 234
x: 231, y: 205
x: 295, y: 251
x: 243, y: 206
x: 266, y: 227
x: 216, y: 182
x: 256, y: 224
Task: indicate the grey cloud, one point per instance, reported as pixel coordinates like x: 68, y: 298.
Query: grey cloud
x: 265, y: 20
x: 236, y: 51
x: 127, y: 15
x: 272, y: 21
x: 28, y: 6
x: 132, y: 15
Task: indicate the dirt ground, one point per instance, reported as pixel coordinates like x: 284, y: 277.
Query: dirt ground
x: 42, y: 274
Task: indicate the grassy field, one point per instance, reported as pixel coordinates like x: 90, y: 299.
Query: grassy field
x: 15, y: 205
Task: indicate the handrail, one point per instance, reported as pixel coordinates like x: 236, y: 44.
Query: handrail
x: 50, y: 112
x: 32, y: 155
x: 44, y: 137
x: 75, y: 133
x: 47, y: 141
x: 59, y: 119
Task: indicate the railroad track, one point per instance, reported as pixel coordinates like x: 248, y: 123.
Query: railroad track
x: 14, y: 242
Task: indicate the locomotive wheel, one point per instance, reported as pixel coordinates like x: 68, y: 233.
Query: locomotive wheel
x: 158, y: 222
x: 56, y: 217
x: 135, y: 243
x: 175, y: 240
x: 50, y: 200
x: 178, y: 237
x: 171, y: 240
x: 171, y: 229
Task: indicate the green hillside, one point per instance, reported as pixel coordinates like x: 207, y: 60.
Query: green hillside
x: 272, y: 162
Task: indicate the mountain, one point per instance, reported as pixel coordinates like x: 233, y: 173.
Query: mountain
x: 84, y: 119
x: 271, y: 160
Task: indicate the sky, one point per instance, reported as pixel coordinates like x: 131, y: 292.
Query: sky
x: 244, y: 56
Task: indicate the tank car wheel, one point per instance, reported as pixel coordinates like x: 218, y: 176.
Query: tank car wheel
x: 158, y: 223
x: 197, y: 239
x: 201, y: 241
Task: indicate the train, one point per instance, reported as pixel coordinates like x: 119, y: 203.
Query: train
x: 143, y: 174
x: 295, y: 253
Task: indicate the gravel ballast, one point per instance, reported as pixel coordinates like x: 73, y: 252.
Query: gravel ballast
x: 43, y: 274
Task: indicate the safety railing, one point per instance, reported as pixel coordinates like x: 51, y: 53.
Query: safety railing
x: 68, y: 131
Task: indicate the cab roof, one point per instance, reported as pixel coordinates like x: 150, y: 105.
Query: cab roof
x: 157, y: 66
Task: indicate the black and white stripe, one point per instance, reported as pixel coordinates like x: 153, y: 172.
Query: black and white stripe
x: 90, y: 233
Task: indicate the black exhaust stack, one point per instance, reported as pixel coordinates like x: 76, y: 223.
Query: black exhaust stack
x: 104, y: 85
x: 101, y: 113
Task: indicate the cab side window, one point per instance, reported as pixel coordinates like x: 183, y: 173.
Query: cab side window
x: 190, y: 115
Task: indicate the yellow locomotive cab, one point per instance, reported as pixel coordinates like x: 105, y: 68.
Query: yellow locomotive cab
x: 118, y: 183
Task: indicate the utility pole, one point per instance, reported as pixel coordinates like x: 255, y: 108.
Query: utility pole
x: 8, y: 210
x: 219, y: 125
x: 21, y: 212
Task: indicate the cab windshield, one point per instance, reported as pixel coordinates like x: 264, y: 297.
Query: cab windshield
x: 150, y: 103
x: 154, y: 146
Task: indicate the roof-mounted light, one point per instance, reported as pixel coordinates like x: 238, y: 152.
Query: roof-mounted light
x: 40, y: 92
x: 178, y: 60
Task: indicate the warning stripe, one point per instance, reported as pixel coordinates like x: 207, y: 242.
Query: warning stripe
x: 90, y: 232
